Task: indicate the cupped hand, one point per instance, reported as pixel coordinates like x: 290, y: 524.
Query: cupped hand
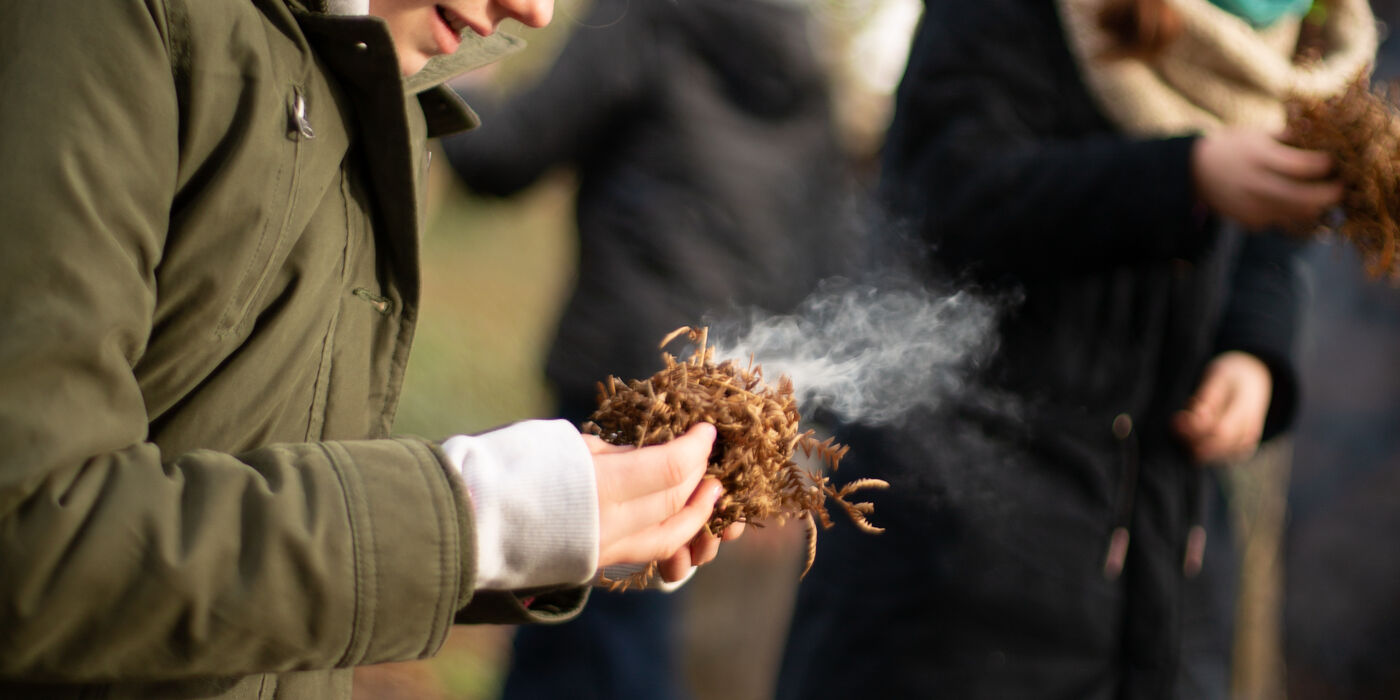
x: 1251, y: 177
x: 702, y: 549
x: 1224, y: 420
x: 653, y: 503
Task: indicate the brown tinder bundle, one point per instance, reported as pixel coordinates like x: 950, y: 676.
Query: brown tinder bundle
x: 757, y: 436
x: 1360, y: 129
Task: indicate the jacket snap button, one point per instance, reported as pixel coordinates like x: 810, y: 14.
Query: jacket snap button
x: 300, y: 121
x: 1122, y: 426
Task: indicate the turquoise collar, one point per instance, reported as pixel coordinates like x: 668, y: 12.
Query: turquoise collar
x: 1262, y: 13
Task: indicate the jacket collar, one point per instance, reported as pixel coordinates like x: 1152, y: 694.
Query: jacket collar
x: 445, y: 111
x: 343, y: 39
x: 476, y: 51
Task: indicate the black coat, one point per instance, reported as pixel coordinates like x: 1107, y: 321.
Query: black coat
x: 708, y: 166
x: 992, y: 579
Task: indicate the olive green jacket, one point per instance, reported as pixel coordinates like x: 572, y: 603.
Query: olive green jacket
x: 208, y: 286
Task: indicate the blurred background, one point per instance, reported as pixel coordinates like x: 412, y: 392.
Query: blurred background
x: 1319, y: 516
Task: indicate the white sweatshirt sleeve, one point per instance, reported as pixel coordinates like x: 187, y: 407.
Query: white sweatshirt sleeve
x: 618, y: 572
x: 534, y: 498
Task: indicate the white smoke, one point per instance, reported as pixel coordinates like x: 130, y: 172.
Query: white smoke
x: 869, y: 355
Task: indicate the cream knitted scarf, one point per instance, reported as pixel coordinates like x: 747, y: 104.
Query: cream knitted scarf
x: 1220, y: 71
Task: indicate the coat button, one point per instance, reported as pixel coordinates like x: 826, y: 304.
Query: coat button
x: 1122, y: 426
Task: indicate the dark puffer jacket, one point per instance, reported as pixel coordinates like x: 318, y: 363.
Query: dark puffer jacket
x: 994, y: 578
x: 708, y: 172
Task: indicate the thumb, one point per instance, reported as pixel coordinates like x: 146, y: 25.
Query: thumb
x: 1204, y: 408
x: 688, y: 456
x: 696, y: 443
x: 1211, y: 397
x: 702, y: 433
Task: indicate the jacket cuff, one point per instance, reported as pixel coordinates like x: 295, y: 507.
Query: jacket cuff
x: 1193, y: 225
x: 547, y: 605
x: 534, y: 504
x: 1262, y: 318
x: 407, y: 570
x: 1273, y: 344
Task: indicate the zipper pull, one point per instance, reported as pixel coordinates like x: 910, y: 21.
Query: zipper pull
x: 1117, y: 555
x: 1195, y: 557
x: 301, y: 124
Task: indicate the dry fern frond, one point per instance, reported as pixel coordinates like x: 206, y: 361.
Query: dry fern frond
x: 757, y: 434
x: 1360, y: 129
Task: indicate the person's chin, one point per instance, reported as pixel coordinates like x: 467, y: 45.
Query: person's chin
x: 411, y: 62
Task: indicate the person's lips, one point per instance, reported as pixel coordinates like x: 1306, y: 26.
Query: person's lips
x: 447, y: 30
x: 453, y: 20
x: 456, y: 24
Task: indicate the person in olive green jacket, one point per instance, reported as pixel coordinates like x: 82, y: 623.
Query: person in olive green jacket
x: 208, y: 285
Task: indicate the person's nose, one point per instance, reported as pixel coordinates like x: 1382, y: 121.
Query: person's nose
x: 531, y: 13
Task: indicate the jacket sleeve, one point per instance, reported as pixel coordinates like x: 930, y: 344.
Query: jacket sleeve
x: 118, y: 561
x: 1262, y: 317
x: 563, y: 117
x: 1000, y: 158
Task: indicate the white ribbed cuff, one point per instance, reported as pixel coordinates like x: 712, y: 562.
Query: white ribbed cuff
x: 534, y: 499
x: 618, y: 572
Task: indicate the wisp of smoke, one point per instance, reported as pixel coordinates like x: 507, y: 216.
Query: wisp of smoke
x: 867, y: 354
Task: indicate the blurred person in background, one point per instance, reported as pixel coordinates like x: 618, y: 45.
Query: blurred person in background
x: 710, y: 181
x: 1115, y: 167
x: 209, y: 267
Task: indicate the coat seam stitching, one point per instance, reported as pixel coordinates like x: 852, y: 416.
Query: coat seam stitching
x: 444, y: 558
x: 360, y: 615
